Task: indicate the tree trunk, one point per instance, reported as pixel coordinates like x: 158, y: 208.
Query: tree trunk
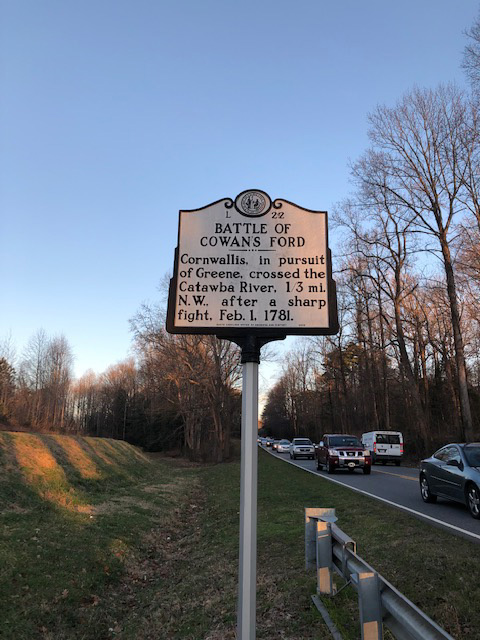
x: 410, y: 379
x: 467, y: 424
x: 386, y: 401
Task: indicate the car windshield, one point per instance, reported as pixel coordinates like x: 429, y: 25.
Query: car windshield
x: 472, y: 454
x: 303, y: 441
x: 387, y: 438
x: 344, y: 441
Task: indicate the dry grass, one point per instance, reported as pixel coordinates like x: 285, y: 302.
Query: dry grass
x: 77, y: 456
x: 32, y: 457
x: 53, y: 466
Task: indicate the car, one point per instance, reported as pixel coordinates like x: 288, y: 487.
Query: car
x: 275, y: 444
x: 270, y: 441
x: 302, y: 448
x: 283, y: 446
x: 453, y: 472
x: 341, y: 451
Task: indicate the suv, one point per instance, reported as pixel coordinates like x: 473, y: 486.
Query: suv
x: 302, y: 448
x: 340, y: 451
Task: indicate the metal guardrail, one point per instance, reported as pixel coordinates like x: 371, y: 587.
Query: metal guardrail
x: 329, y: 549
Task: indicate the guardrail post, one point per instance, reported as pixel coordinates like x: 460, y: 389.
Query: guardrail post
x: 310, y: 549
x: 324, y: 558
x: 370, y: 605
x: 312, y: 514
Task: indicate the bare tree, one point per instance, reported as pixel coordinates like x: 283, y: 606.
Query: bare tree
x: 85, y: 393
x: 298, y: 380
x: 380, y: 250
x: 32, y: 376
x: 471, y: 55
x: 59, y: 364
x: 419, y: 164
x: 117, y: 389
x: 198, y: 374
x: 45, y: 374
x: 7, y: 388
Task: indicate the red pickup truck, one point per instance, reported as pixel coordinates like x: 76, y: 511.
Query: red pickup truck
x: 340, y: 451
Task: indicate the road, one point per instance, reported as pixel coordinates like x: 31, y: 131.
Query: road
x: 399, y: 487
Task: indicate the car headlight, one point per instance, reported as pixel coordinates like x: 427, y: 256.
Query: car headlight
x: 366, y: 452
x: 333, y: 452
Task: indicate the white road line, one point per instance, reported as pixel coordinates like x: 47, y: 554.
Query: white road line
x: 393, y: 504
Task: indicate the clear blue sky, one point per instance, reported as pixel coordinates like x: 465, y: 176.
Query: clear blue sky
x: 115, y: 114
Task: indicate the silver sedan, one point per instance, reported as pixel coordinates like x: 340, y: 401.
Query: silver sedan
x: 453, y: 472
x: 283, y: 446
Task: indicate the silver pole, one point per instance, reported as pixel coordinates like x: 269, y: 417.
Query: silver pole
x: 247, y: 584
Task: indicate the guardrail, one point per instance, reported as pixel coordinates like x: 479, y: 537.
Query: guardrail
x: 328, y: 549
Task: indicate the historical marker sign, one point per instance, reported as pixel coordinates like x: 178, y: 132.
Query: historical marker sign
x: 251, y: 270
x: 252, y: 266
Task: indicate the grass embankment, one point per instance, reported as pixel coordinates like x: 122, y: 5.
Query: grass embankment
x: 99, y: 541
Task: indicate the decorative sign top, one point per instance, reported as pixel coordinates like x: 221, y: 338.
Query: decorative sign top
x: 252, y: 266
x: 253, y: 203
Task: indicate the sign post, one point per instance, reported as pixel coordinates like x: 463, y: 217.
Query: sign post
x: 252, y: 270
x: 247, y: 592
x: 247, y: 599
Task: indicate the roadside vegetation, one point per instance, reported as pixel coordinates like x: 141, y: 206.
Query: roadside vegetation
x: 99, y: 541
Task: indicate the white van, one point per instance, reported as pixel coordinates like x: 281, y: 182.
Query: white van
x: 384, y: 446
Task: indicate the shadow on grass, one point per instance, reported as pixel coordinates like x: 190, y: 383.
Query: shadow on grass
x: 55, y: 556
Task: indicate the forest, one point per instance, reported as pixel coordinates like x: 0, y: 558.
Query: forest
x: 407, y: 356
x: 177, y: 393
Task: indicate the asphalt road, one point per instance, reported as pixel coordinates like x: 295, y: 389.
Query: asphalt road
x: 399, y: 487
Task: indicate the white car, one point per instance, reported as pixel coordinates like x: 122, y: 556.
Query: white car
x: 283, y: 446
x: 302, y: 448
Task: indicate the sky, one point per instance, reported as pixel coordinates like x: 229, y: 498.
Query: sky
x: 115, y: 114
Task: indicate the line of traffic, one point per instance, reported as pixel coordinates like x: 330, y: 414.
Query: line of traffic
x: 452, y: 473
x: 419, y: 514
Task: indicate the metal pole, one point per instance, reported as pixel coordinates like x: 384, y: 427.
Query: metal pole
x: 247, y: 593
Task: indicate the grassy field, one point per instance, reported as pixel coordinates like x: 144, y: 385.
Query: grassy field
x: 99, y: 541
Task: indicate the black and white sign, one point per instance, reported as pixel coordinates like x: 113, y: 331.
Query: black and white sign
x: 252, y: 266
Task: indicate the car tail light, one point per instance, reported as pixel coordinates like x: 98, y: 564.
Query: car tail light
x: 374, y: 447
x: 401, y: 449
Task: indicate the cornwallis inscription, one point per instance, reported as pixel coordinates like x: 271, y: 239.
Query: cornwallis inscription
x: 252, y: 265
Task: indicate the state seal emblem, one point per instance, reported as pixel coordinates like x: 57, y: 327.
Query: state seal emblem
x: 253, y: 203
